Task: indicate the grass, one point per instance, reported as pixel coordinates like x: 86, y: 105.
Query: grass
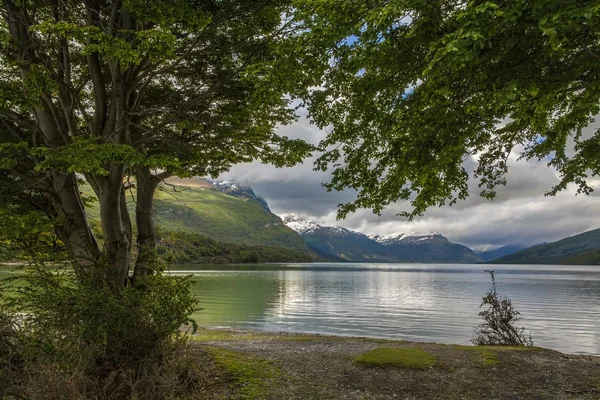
x: 405, y: 357
x: 252, y: 375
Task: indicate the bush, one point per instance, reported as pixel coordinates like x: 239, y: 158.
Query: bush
x: 83, y: 338
x: 11, y: 357
x: 497, y: 328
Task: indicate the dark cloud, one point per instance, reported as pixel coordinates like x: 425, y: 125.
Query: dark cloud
x: 520, y: 214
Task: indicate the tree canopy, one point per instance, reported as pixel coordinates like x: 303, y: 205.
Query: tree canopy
x: 409, y: 89
x: 113, y: 91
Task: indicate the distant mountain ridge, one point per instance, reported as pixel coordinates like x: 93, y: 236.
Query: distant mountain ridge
x: 493, y: 254
x: 427, y: 248
x: 337, y: 243
x: 583, y: 248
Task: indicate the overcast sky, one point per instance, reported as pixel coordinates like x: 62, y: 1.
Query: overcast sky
x: 520, y: 213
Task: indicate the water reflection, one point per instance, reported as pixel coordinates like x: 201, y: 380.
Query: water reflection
x: 560, y: 305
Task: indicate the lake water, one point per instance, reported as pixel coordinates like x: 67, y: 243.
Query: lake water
x: 560, y: 305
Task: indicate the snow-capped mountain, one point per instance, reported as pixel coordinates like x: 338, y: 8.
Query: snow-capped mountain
x: 234, y: 189
x: 430, y: 247
x: 337, y: 243
x: 406, y: 238
x: 344, y: 244
x: 486, y: 248
x: 303, y: 226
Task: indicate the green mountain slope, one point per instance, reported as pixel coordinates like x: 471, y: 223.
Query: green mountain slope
x: 223, y: 218
x: 231, y: 229
x: 579, y: 249
x: 186, y: 248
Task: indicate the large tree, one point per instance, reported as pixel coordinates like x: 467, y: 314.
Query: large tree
x: 409, y: 89
x: 129, y: 92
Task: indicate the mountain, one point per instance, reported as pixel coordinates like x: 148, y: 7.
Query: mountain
x: 239, y: 191
x: 228, y: 187
x: 483, y: 249
x: 493, y: 254
x: 426, y: 248
x: 336, y: 243
x: 583, y: 248
x: 200, y: 222
x: 339, y: 244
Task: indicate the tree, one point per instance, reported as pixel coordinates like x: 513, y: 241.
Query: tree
x: 411, y: 88
x: 109, y: 90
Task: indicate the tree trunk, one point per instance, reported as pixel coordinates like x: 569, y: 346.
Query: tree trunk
x: 75, y: 231
x: 146, y: 236
x: 116, y: 226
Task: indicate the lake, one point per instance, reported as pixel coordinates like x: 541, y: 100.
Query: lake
x: 560, y: 305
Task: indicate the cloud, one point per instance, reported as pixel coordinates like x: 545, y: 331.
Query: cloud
x: 520, y: 214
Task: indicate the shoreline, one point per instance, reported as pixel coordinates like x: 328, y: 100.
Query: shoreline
x: 280, y: 365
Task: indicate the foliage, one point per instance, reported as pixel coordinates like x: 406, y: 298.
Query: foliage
x: 497, y: 328
x: 116, y: 90
x: 11, y: 356
x: 27, y: 234
x: 405, y: 357
x: 186, y: 248
x: 199, y: 73
x: 421, y: 95
x: 109, y: 343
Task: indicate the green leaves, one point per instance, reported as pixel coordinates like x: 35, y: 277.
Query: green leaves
x: 86, y: 156
x: 412, y: 90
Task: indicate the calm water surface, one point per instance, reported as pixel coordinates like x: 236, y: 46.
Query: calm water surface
x: 560, y: 305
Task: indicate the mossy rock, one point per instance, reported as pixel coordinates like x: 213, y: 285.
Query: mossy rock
x: 405, y: 357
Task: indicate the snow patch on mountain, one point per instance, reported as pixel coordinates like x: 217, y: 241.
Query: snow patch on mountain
x: 305, y: 227
x: 487, y: 247
x: 236, y: 190
x: 225, y: 185
x: 409, y: 237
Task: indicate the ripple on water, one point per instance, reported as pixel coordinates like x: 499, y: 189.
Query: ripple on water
x: 559, y: 304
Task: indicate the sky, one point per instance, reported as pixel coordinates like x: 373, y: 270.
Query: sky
x: 520, y: 214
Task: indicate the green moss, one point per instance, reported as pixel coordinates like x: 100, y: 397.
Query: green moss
x: 406, y: 357
x: 488, y: 355
x: 251, y: 374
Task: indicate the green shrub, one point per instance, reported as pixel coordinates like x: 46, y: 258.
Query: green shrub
x: 499, y: 318
x: 87, y: 339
